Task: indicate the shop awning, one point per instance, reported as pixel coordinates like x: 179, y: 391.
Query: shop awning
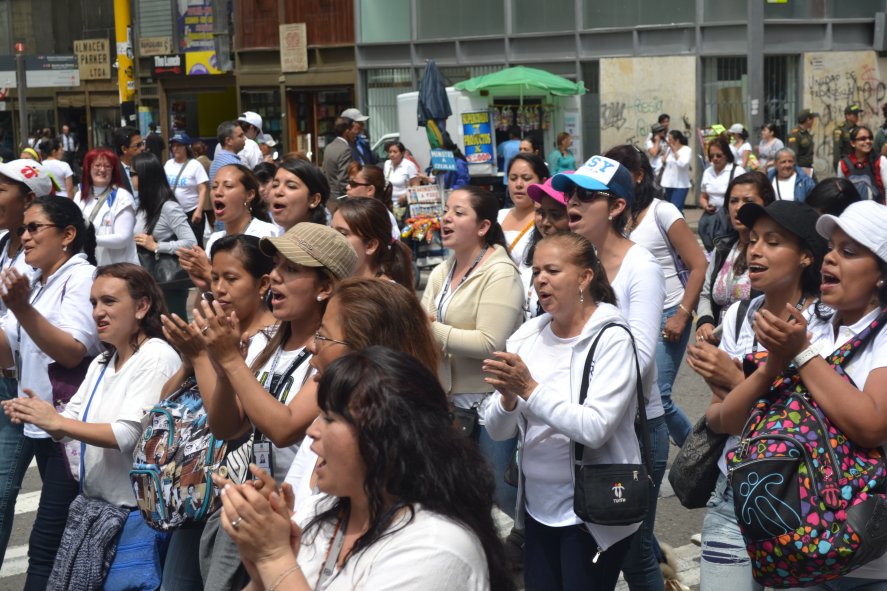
x: 521, y: 80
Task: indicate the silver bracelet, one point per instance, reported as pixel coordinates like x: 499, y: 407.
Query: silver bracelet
x: 284, y: 575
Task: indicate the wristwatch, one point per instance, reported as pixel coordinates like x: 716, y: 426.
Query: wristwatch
x: 805, y: 356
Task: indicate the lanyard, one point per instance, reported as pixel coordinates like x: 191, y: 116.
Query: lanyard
x: 4, y: 257
x: 332, y: 552
x: 446, y: 289
x: 275, y: 388
x: 85, y: 415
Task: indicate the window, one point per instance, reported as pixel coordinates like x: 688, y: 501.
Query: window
x: 602, y: 14
x: 267, y: 104
x: 531, y: 16
x: 384, y: 20
x: 155, y: 18
x: 781, y: 91
x: 718, y: 10
x: 726, y: 90
x: 855, y: 9
x: 460, y: 18
x: 383, y: 86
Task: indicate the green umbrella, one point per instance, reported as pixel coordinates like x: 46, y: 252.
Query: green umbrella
x: 521, y: 80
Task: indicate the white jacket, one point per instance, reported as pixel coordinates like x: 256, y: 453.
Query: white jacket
x: 604, y: 423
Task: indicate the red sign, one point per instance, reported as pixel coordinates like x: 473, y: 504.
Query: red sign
x: 168, y: 64
x: 19, y: 47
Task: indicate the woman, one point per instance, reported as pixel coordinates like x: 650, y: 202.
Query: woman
x: 561, y: 158
x: 550, y: 218
x: 31, y: 154
x: 161, y: 224
x: 790, y: 182
x: 863, y: 167
x: 364, y: 222
x: 53, y: 155
x: 106, y: 412
x: 601, y: 195
x: 432, y: 508
x: 200, y: 151
x: 401, y: 173
x: 739, y: 145
x: 659, y: 227
x: 785, y: 254
x: 726, y: 279
x: 236, y: 204
x: 107, y: 207
x: 370, y: 181
x: 265, y: 172
x: 541, y: 371
x: 715, y: 180
x: 531, y: 144
x: 189, y: 182
x: 298, y: 193
x: 676, y: 172
x: 832, y: 196
x: 769, y: 146
x: 50, y: 322
x: 475, y: 299
x: 518, y: 221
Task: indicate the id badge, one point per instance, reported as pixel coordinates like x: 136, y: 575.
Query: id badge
x: 262, y: 456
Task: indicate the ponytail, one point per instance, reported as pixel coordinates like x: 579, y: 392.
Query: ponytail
x: 486, y: 207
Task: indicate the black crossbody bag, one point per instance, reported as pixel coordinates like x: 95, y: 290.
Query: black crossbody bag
x: 614, y: 494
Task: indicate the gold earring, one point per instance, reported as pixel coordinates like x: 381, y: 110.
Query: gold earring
x: 581, y: 296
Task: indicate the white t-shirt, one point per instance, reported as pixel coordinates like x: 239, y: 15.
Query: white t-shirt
x: 640, y: 294
x: 64, y: 301
x: 114, y: 227
x: 59, y: 169
x: 715, y: 185
x: 280, y: 364
x: 15, y: 261
x: 190, y: 180
x: 520, y: 247
x: 256, y: 227
x: 739, y: 151
x: 677, y: 170
x: 655, y: 161
x: 547, y: 466
x: 647, y: 234
x: 785, y: 189
x: 430, y: 552
x: 120, y: 399
x: 251, y: 154
x: 400, y: 177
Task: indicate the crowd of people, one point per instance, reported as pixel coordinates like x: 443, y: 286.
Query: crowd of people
x: 370, y: 434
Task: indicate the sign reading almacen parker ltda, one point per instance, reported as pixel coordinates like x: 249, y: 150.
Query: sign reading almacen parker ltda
x: 93, y: 58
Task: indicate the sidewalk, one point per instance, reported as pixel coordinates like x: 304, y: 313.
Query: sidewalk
x: 692, y: 215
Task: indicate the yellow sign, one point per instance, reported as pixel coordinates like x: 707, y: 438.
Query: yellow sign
x: 155, y: 46
x: 201, y: 63
x: 93, y: 58
x: 293, y: 48
x: 126, y: 84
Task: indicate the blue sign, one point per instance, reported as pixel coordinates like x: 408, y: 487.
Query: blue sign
x: 442, y: 160
x: 478, y: 133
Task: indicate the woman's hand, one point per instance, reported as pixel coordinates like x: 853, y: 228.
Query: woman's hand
x: 714, y: 365
x: 196, y: 264
x: 221, y: 333
x: 705, y: 332
x: 510, y: 376
x: 185, y: 337
x: 146, y: 241
x: 33, y: 410
x: 198, y: 214
x: 266, y: 485
x: 18, y: 290
x: 674, y: 326
x: 783, y: 339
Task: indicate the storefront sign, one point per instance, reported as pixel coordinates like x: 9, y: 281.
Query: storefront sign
x: 93, y: 58
x: 477, y: 131
x: 168, y: 64
x: 42, y: 71
x: 442, y: 160
x: 149, y: 46
x: 201, y: 63
x: 293, y: 48
x: 195, y: 22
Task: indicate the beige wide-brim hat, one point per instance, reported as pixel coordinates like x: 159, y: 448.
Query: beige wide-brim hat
x: 314, y: 245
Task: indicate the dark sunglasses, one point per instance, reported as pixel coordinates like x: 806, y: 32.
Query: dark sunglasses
x: 33, y: 228
x: 586, y: 196
x: 354, y: 184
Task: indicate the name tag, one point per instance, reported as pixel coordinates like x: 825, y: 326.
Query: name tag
x: 262, y: 456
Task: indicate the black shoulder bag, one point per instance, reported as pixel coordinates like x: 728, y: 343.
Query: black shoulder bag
x: 614, y: 494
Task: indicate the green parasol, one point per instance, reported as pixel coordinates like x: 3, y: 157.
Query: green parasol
x: 521, y: 80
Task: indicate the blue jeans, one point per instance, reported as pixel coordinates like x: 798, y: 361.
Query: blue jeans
x: 12, y: 466
x: 725, y: 565
x: 669, y: 355
x: 181, y: 570
x: 560, y: 559
x: 640, y: 567
x: 677, y: 197
x: 498, y: 454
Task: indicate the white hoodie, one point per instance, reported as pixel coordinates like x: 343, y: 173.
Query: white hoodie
x: 604, y: 423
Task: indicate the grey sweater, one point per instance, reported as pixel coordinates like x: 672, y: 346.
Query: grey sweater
x: 171, y: 231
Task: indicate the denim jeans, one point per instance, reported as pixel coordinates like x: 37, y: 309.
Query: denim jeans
x: 181, y: 569
x: 640, y: 567
x: 725, y: 565
x: 677, y: 197
x: 498, y: 454
x: 58, y: 491
x: 12, y: 464
x: 560, y: 559
x: 669, y: 355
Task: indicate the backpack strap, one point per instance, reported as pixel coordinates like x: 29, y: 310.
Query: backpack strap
x: 845, y: 353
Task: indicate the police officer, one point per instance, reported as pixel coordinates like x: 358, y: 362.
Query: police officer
x: 801, y: 140
x: 842, y: 145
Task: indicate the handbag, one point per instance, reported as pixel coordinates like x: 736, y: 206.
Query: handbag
x: 138, y: 564
x: 465, y: 420
x: 679, y: 265
x: 695, y: 471
x: 614, y: 494
x: 164, y: 267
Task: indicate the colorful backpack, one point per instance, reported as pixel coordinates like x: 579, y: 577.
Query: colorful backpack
x: 810, y: 503
x: 175, y: 458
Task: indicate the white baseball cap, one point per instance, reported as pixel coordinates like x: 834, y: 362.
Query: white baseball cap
x: 252, y: 118
x: 31, y: 173
x: 354, y: 115
x: 864, y: 221
x: 736, y: 128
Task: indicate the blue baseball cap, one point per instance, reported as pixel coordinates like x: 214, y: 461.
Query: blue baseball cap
x: 180, y: 138
x: 598, y: 174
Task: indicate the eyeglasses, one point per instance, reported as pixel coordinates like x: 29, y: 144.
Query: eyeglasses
x: 102, y: 166
x: 715, y: 156
x: 320, y: 337
x: 355, y: 184
x: 864, y: 138
x: 33, y: 228
x: 137, y: 145
x: 586, y: 196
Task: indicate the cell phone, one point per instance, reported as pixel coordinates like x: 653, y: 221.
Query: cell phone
x: 208, y: 297
x: 717, y: 332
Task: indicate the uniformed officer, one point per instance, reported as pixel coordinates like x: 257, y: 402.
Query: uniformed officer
x: 841, y: 134
x: 801, y: 140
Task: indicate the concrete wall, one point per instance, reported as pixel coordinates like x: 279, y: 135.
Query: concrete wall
x: 831, y: 82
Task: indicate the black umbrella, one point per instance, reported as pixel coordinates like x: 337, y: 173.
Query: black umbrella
x: 434, y: 106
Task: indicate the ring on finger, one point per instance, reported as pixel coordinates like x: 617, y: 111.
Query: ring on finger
x: 236, y: 522
x: 204, y: 329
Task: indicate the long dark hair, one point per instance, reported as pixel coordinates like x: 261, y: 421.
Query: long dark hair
x: 368, y: 219
x: 376, y: 177
x: 257, y: 207
x: 315, y: 181
x: 154, y: 189
x: 765, y: 191
x: 411, y: 452
x: 833, y: 195
x: 486, y: 207
x: 540, y: 169
x: 63, y: 213
x: 140, y: 284
x: 637, y: 164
